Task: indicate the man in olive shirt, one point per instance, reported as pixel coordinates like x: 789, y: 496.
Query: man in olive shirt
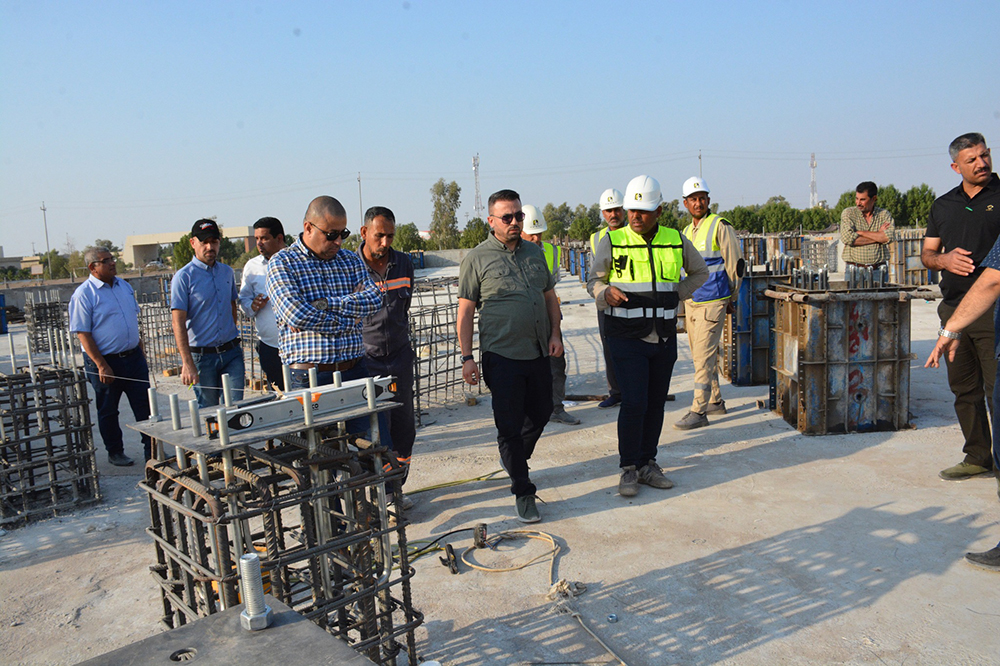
x: 508, y: 282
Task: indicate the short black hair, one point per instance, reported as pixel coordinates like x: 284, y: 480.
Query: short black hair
x: 502, y: 195
x: 868, y: 187
x: 272, y: 224
x: 379, y: 211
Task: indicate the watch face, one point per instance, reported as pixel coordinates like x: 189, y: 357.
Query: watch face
x: 321, y: 304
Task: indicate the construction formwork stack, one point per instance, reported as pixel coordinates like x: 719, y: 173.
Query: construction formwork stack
x: 820, y: 252
x: 841, y: 354
x: 47, y: 458
x: 157, y: 335
x: 905, y: 266
x: 437, y: 363
x: 43, y: 312
x: 315, y: 504
x: 747, y: 340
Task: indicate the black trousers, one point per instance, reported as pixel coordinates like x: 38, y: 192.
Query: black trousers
x: 971, y: 376
x: 132, y: 375
x: 270, y: 363
x: 613, y: 389
x: 402, y: 427
x: 522, y: 405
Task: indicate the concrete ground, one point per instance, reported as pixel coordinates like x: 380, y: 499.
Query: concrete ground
x: 773, y: 548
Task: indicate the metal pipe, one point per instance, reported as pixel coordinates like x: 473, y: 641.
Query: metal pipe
x: 13, y: 356
x: 337, y: 379
x: 175, y: 411
x: 227, y: 390
x: 195, y: 421
x: 313, y: 377
x: 154, y: 407
x: 286, y: 376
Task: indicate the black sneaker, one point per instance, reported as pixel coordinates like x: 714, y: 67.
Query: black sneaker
x: 628, y: 484
x: 527, y: 512
x: 120, y: 460
x: 610, y: 401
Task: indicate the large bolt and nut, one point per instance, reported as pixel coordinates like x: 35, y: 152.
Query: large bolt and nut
x: 256, y: 614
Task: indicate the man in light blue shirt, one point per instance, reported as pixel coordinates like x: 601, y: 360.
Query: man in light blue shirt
x: 203, y: 302
x: 105, y: 317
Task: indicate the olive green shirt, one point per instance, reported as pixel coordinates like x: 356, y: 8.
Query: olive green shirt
x: 507, y: 288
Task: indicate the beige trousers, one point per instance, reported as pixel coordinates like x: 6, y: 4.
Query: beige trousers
x: 704, y: 330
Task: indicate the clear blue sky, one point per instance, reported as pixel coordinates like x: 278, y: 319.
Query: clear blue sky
x: 139, y: 117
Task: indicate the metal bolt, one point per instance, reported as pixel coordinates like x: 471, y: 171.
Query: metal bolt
x: 612, y: 618
x: 256, y: 614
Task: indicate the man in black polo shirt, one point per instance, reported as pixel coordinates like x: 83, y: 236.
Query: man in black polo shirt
x: 963, y: 226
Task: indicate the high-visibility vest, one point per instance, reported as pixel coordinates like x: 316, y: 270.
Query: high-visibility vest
x: 648, y: 272
x: 552, y: 256
x: 595, y: 240
x: 704, y: 239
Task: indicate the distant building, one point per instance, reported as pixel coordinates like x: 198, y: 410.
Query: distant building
x: 144, y: 248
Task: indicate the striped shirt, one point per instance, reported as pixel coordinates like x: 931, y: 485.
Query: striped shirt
x: 323, y: 300
x: 852, y: 220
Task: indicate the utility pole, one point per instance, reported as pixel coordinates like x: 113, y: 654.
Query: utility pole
x: 48, y: 250
x: 478, y: 208
x: 361, y: 206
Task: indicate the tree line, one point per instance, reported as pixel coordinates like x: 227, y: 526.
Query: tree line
x: 909, y: 209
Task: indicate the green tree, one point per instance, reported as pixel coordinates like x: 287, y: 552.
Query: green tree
x: 745, y: 218
x: 582, y: 228
x: 777, y: 215
x: 229, y: 252
x: 673, y: 216
x: 890, y: 198
x: 919, y: 200
x: 816, y: 219
x: 475, y: 232
x: 408, y: 238
x: 557, y: 220
x: 846, y: 200
x: 446, y: 198
x: 102, y: 242
x: 56, y: 265
x: 183, y: 252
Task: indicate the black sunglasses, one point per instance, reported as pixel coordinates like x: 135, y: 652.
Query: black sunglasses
x: 334, y: 235
x: 510, y: 217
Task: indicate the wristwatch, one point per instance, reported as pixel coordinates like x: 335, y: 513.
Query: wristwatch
x: 944, y: 333
x: 470, y: 357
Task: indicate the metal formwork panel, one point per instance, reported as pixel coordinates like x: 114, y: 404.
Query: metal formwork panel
x: 47, y: 458
x: 843, y: 365
x: 905, y: 266
x: 746, y: 338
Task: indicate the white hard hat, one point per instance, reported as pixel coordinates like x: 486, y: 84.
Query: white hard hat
x: 611, y: 198
x: 534, y: 221
x: 694, y: 184
x: 642, y: 193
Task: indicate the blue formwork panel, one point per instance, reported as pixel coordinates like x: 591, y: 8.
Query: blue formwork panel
x: 585, y: 260
x: 746, y: 338
x: 3, y: 313
x: 417, y: 258
x: 573, y: 254
x: 842, y: 365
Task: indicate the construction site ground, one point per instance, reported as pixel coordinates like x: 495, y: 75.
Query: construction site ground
x: 773, y: 548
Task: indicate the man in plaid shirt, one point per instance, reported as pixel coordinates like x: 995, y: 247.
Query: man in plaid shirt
x: 866, y: 230
x: 320, y: 294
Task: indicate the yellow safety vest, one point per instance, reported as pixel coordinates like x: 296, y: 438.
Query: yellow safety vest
x: 595, y: 240
x: 552, y: 256
x: 648, y: 272
x: 706, y: 241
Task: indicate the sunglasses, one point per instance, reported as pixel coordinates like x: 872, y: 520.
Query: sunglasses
x: 107, y: 261
x: 510, y: 217
x: 334, y: 235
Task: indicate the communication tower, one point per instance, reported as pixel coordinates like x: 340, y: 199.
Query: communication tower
x: 478, y: 208
x: 813, y: 193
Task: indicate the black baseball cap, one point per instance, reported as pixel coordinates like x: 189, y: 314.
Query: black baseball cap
x: 205, y: 229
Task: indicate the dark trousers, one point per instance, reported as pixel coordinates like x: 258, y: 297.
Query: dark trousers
x: 362, y: 424
x: 522, y: 405
x: 132, y: 379
x: 211, y: 367
x: 971, y: 378
x: 648, y: 367
x: 401, y: 424
x: 613, y: 389
x: 270, y: 363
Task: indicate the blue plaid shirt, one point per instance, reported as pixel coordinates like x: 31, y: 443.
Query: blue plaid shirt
x: 324, y: 300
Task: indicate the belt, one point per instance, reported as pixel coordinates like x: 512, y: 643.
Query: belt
x: 121, y: 354
x: 878, y: 265
x: 224, y: 347
x: 327, y: 367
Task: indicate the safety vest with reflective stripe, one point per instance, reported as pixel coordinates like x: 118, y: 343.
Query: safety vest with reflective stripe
x: 595, y: 240
x: 552, y: 256
x: 648, y: 272
x: 716, y: 288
